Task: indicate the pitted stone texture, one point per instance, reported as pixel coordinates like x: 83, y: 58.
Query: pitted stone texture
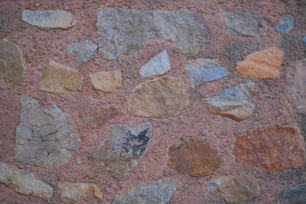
x: 24, y: 183
x: 201, y: 71
x: 244, y: 23
x: 84, y: 49
x: 264, y: 64
x: 235, y: 188
x: 45, y: 135
x: 12, y: 64
x: 126, y: 145
x: 285, y: 24
x: 155, y: 192
x: 158, y: 65
x: 295, y: 194
x: 276, y: 148
x: 60, y: 79
x: 106, y: 82
x: 123, y: 30
x: 49, y: 18
x: 160, y: 98
x: 233, y: 102
x: 193, y: 157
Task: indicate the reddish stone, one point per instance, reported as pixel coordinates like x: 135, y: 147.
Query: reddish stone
x: 95, y: 117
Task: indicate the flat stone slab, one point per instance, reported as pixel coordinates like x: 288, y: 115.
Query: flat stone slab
x: 84, y: 49
x: 285, y: 24
x: 106, y: 82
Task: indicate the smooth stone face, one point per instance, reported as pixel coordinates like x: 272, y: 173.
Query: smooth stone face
x: 155, y: 192
x: 158, y: 65
x: 304, y: 39
x: 24, y: 183
x: 84, y: 49
x: 12, y: 65
x: 45, y: 135
x: 201, y: 71
x: 276, y: 148
x: 264, y: 64
x: 49, y: 18
x: 123, y: 30
x: 235, y: 188
x: 60, y: 79
x: 295, y: 194
x: 244, y: 23
x: 193, y: 157
x: 160, y: 98
x: 106, y: 82
x: 233, y: 102
x: 285, y: 24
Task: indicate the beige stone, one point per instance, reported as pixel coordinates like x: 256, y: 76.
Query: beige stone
x: 106, y: 82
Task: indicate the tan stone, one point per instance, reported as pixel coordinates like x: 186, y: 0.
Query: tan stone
x: 59, y: 79
x: 193, y: 157
x: 106, y: 82
x: 265, y: 64
x: 275, y: 148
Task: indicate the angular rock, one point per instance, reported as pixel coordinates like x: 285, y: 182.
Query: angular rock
x: 295, y: 194
x: 49, y: 18
x: 73, y: 192
x: 193, y: 157
x: 155, y: 192
x: 106, y: 82
x: 158, y: 65
x: 125, y: 146
x: 24, y: 183
x: 12, y: 64
x: 123, y: 30
x: 285, y: 24
x: 235, y: 188
x: 276, y: 148
x: 264, y: 64
x: 84, y: 49
x: 59, y: 79
x: 161, y: 98
x: 45, y: 135
x: 202, y: 70
x: 233, y: 102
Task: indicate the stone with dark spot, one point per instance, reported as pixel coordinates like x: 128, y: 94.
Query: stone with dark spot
x: 295, y: 194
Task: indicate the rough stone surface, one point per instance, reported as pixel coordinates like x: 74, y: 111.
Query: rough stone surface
x: 12, y: 64
x: 193, y: 157
x: 158, y: 65
x: 74, y: 192
x: 155, y: 192
x: 130, y: 29
x: 235, y: 188
x: 45, y: 135
x: 106, y: 82
x: 276, y: 148
x: 202, y: 70
x: 285, y: 24
x: 24, y: 183
x: 84, y: 49
x: 60, y: 79
x: 244, y: 23
x: 126, y: 145
x: 161, y: 98
x: 233, y: 102
x: 264, y: 64
x: 49, y: 18
x: 295, y: 194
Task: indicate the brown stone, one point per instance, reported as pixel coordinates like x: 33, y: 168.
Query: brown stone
x: 59, y: 79
x: 106, y: 82
x: 265, y: 64
x: 95, y: 117
x: 275, y: 148
x: 193, y: 157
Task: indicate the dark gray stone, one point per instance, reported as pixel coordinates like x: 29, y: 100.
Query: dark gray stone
x: 84, y: 49
x: 296, y: 194
x: 285, y: 24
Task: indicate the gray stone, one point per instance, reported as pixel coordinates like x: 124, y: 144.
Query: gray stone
x: 122, y: 30
x: 285, y: 24
x: 296, y: 194
x: 24, y: 183
x: 244, y: 23
x: 158, y: 65
x: 84, y: 49
x: 204, y: 70
x: 49, y: 18
x: 45, y: 135
x: 156, y: 192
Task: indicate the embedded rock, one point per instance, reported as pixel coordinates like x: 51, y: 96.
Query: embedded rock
x: 264, y: 64
x: 285, y: 24
x: 45, y: 135
x: 24, y: 183
x: 106, y: 82
x: 276, y: 148
x: 193, y: 157
x: 160, y: 98
x: 155, y: 192
x: 12, y: 64
x: 84, y: 49
x: 233, y: 102
x: 95, y: 117
x: 201, y: 71
x: 295, y: 194
x: 59, y: 79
